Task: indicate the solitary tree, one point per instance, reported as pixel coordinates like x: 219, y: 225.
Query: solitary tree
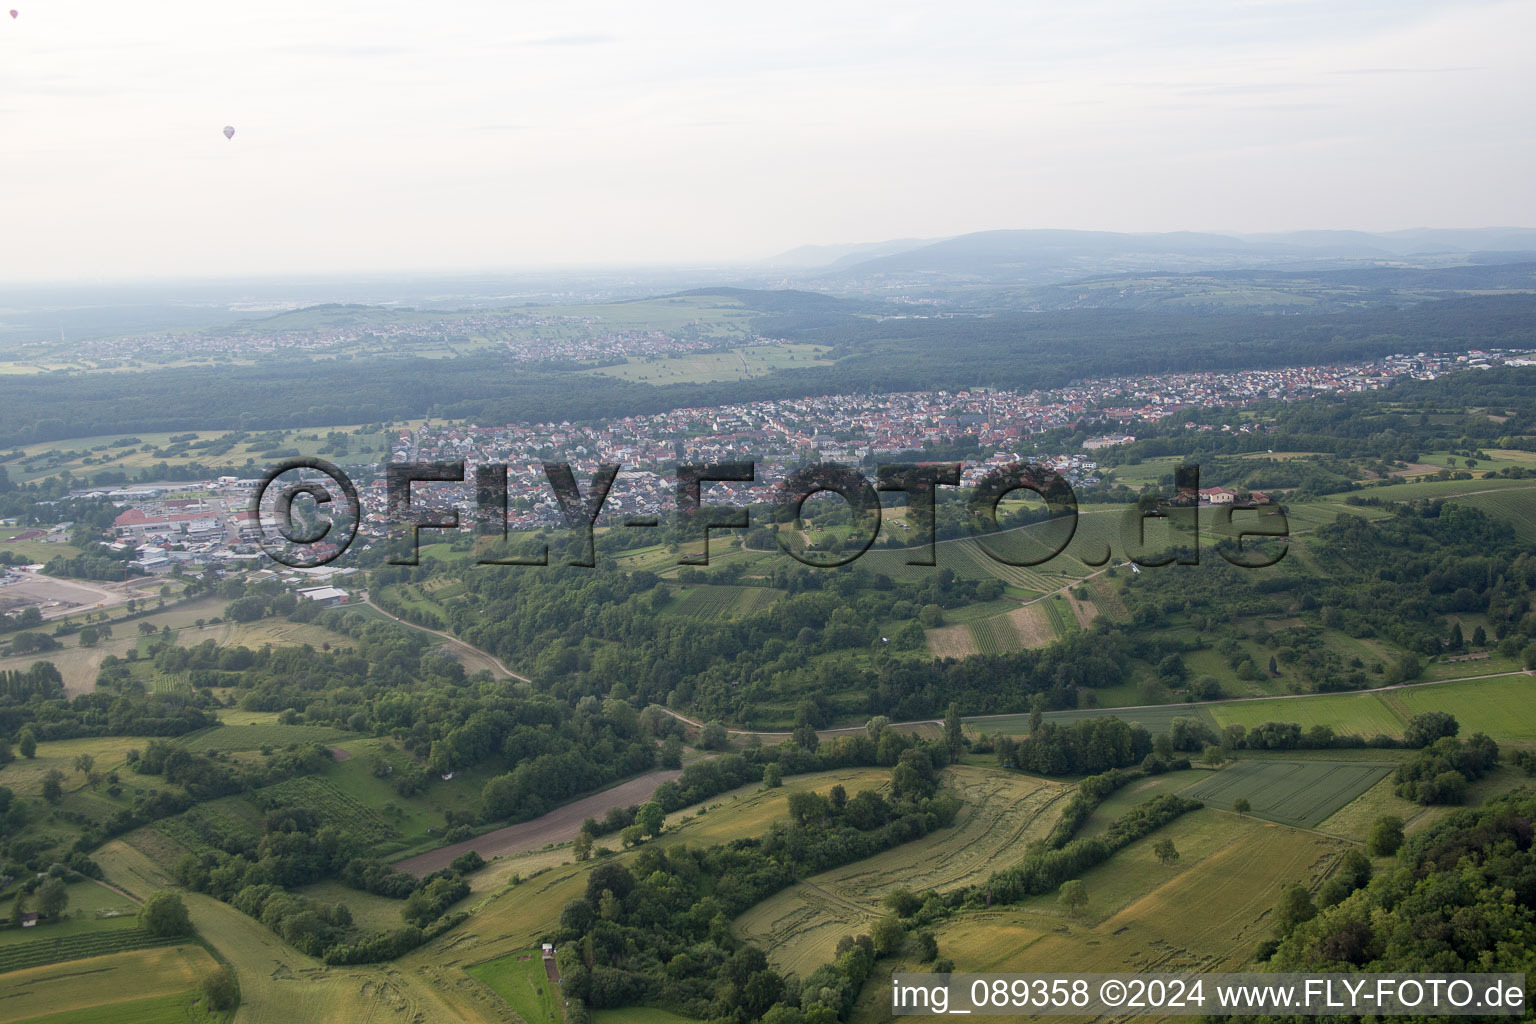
x: 1166, y: 852
x: 1074, y: 896
x: 53, y: 786
x: 1036, y: 713
x: 84, y: 763
x: 713, y: 736
x: 27, y: 744
x: 1241, y: 805
x: 164, y: 914
x: 52, y: 898
x: 650, y: 818
x: 954, y: 736
x: 582, y: 847
x: 888, y: 935
x: 219, y: 990
x: 1386, y: 836
x: 773, y: 776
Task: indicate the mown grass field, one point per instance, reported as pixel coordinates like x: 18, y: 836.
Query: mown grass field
x: 1207, y: 912
x: 1153, y: 719
x: 1300, y: 793
x: 1004, y: 812
x: 36, y: 549
x: 1357, y: 714
x: 254, y: 737
x: 279, y: 985
x: 281, y: 633
x: 376, y: 913
x: 520, y: 979
x: 1356, y: 818
x: 1503, y: 708
x: 179, y: 1008
x: 24, y: 776
x: 1137, y: 793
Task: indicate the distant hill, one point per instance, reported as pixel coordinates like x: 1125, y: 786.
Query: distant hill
x: 1043, y: 256
x: 808, y: 256
x: 1414, y: 241
x: 776, y: 300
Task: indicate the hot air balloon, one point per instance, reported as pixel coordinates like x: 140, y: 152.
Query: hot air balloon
x: 15, y: 14
x: 229, y: 131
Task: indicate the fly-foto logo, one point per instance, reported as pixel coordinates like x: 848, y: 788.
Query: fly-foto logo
x: 328, y: 526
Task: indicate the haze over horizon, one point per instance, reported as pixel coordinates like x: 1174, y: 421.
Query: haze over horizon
x: 378, y: 138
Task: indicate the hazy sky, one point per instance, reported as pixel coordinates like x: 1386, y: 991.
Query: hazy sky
x: 380, y: 135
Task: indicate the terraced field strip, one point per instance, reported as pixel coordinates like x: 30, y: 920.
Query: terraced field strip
x: 1300, y: 793
x: 201, y: 829
x: 95, y: 987
x: 1058, y: 619
x: 1207, y: 916
x: 174, y: 685
x: 967, y: 559
x: 1516, y: 506
x: 752, y: 600
x: 334, y: 807
x: 1003, y: 813
x: 41, y: 951
x: 996, y: 634
x: 707, y: 601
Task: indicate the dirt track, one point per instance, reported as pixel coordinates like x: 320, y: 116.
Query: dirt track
x: 471, y: 657
x: 558, y: 826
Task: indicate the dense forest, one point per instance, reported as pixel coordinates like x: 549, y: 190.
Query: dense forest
x: 1460, y: 897
x: 1013, y: 350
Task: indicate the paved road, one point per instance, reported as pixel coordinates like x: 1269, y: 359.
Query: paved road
x: 969, y: 719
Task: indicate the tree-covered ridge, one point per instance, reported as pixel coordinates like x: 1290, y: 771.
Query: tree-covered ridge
x: 658, y: 928
x: 1461, y: 897
x: 1016, y: 350
x: 582, y: 633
